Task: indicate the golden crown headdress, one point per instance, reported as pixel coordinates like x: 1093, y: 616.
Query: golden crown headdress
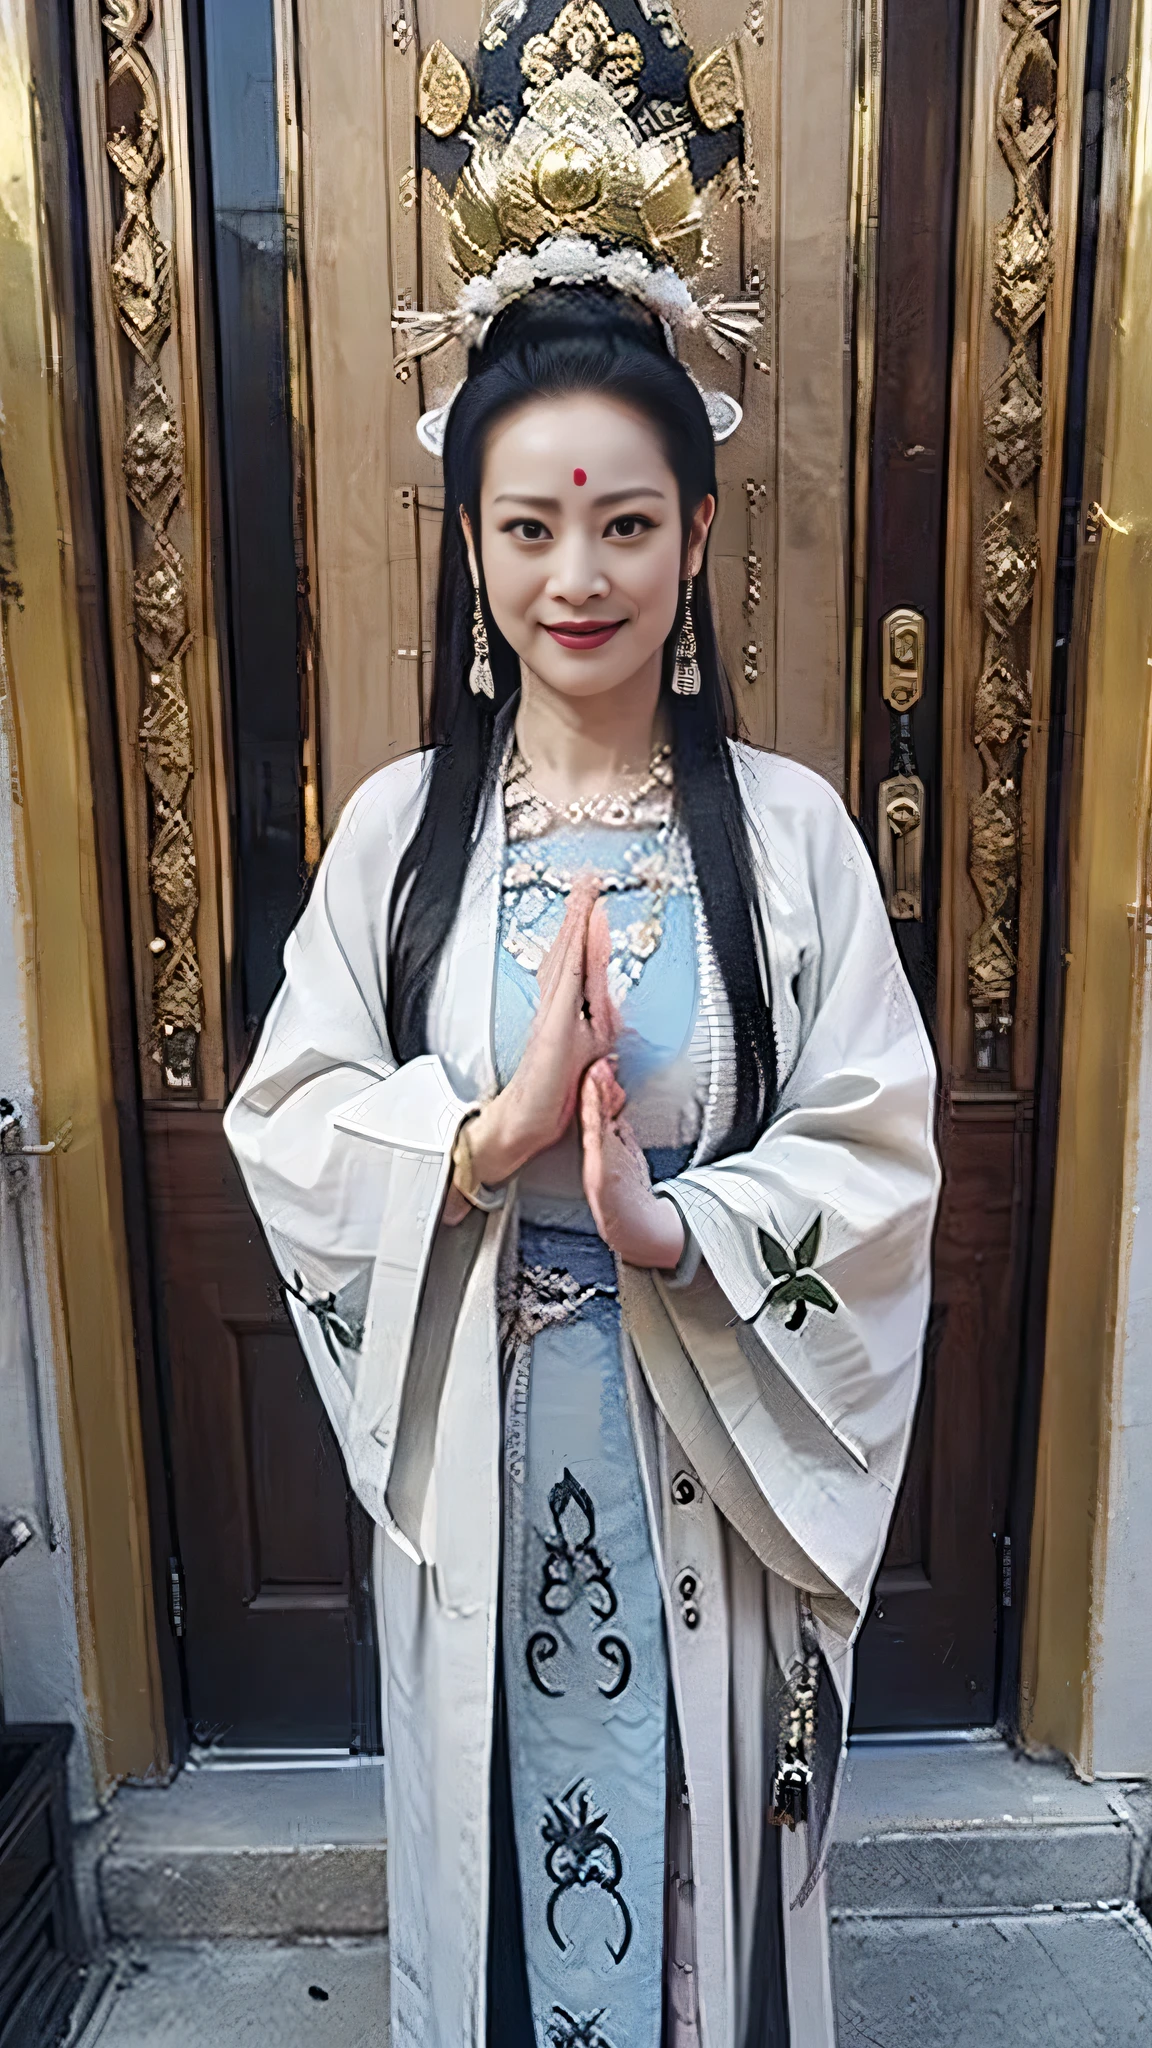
x: 590, y: 147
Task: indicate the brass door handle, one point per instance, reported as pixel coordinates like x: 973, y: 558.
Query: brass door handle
x: 900, y: 800
x: 901, y: 844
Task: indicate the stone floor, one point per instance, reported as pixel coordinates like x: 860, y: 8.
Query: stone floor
x: 978, y: 1900
x: 242, y: 1994
x: 1052, y: 1980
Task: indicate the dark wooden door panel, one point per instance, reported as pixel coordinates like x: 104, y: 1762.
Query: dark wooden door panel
x: 300, y: 1557
x: 928, y: 1654
x: 271, y: 1564
x: 908, y: 500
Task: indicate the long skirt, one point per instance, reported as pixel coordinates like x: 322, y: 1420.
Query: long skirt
x: 591, y: 1904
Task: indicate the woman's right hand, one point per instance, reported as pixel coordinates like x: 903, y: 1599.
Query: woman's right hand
x: 575, y: 1024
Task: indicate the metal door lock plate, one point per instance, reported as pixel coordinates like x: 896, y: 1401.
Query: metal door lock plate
x: 904, y: 634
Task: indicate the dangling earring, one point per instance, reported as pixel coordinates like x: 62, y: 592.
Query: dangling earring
x: 480, y: 674
x: 686, y: 675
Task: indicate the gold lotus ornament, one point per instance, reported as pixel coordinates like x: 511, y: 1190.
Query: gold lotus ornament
x: 576, y: 162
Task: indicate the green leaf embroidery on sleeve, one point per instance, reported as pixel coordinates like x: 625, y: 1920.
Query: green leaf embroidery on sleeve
x: 775, y: 1256
x: 794, y: 1285
x: 817, y: 1294
x: 809, y: 1245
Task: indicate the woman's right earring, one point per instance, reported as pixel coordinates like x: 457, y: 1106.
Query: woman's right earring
x: 686, y: 674
x: 480, y: 674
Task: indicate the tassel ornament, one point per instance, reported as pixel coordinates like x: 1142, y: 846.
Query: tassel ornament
x: 793, y: 1781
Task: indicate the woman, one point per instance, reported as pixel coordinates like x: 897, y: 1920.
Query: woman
x: 591, y: 1131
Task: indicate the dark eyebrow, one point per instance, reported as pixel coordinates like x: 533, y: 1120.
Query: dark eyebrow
x: 553, y: 504
x: 636, y: 491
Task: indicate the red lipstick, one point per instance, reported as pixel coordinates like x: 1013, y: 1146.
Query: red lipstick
x: 584, y: 633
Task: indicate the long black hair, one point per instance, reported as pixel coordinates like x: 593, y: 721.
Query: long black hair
x: 558, y: 340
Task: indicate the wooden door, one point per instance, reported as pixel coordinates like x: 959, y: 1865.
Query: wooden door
x: 192, y: 272
x: 272, y: 531
x: 973, y: 267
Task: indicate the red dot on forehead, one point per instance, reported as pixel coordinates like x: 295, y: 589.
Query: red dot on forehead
x: 579, y: 476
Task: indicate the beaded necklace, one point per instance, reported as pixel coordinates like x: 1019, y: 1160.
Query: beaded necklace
x: 530, y: 815
x: 533, y: 879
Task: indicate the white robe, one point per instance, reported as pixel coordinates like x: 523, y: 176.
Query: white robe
x: 794, y: 1440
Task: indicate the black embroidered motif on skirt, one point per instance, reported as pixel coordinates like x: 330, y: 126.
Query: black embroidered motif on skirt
x: 580, y: 1853
x: 572, y: 1558
x: 571, y: 1562
x: 577, y: 2030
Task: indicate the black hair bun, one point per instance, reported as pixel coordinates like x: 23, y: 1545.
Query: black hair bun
x: 568, y: 312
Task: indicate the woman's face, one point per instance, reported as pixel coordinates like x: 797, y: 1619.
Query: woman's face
x: 582, y: 541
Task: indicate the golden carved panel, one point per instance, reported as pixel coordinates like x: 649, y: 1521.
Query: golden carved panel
x: 140, y: 278
x: 1009, y: 549
x: 1014, y: 274
x: 134, y: 135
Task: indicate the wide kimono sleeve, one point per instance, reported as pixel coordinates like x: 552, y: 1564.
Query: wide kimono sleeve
x: 345, y: 1154
x: 798, y: 1340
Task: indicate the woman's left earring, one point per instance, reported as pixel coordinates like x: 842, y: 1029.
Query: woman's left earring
x: 480, y: 674
x: 686, y: 674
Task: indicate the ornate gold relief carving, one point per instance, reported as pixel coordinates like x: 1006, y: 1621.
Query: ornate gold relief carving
x: 141, y: 268
x: 166, y: 749
x: 153, y: 447
x: 140, y: 279
x: 1001, y: 707
x: 1009, y: 565
x: 754, y: 495
x: 1009, y: 549
x: 1013, y: 419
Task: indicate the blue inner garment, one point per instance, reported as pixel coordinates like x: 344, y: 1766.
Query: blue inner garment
x: 585, y: 1658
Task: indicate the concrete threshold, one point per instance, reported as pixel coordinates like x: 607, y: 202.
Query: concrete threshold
x: 964, y: 1828
x: 232, y: 1854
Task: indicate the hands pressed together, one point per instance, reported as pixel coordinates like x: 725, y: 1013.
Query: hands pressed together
x: 568, y: 1070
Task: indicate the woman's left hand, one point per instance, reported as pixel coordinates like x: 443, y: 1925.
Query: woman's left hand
x: 643, y: 1228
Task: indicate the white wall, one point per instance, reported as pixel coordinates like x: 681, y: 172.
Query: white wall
x: 40, y: 1676
x: 1121, y: 1676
